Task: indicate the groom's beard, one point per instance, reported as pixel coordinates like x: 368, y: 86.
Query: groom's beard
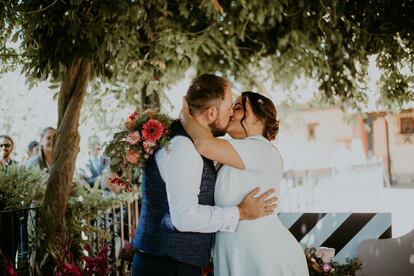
x: 216, y: 130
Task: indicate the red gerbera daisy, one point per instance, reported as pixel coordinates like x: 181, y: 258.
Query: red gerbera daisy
x: 152, y: 130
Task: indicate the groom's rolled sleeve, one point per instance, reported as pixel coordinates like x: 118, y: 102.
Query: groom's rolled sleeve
x: 181, y: 167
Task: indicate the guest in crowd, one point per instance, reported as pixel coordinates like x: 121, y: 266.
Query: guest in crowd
x: 32, y: 150
x: 43, y: 160
x: 6, y: 149
x: 9, y: 223
x: 96, y: 164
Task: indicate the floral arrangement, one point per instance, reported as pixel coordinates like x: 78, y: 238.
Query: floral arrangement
x: 131, y: 147
x: 319, y: 266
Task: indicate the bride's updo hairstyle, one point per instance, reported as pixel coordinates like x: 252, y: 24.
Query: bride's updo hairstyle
x: 265, y: 110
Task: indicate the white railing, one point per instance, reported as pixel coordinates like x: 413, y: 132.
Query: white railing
x: 332, y: 188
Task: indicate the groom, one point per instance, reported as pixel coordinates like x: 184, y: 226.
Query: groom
x: 178, y: 217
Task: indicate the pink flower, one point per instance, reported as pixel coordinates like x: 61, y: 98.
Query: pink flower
x: 152, y: 130
x: 326, y: 267
x: 133, y: 138
x: 149, y: 146
x: 132, y: 156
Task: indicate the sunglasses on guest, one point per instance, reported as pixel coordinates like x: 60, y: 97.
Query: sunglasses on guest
x: 5, y: 145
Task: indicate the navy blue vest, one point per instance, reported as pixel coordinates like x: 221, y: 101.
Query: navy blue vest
x: 156, y: 234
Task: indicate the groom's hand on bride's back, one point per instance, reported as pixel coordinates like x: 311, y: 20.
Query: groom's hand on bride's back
x: 253, y: 206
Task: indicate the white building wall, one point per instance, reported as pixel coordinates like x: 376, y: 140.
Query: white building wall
x: 401, y: 151
x: 302, y: 154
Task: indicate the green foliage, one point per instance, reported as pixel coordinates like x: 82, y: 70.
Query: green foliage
x: 19, y: 187
x: 330, y: 41
x: 350, y: 267
x: 145, y: 46
x: 85, y: 209
x: 8, y: 56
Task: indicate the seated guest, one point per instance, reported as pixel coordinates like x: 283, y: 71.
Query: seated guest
x: 43, y: 160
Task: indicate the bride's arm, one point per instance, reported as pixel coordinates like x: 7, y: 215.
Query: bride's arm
x: 206, y: 144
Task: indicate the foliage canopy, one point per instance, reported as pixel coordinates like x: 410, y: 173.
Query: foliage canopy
x: 147, y: 45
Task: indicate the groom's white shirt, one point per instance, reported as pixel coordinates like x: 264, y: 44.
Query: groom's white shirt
x: 181, y: 168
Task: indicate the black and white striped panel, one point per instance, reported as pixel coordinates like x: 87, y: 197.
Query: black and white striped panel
x: 342, y: 231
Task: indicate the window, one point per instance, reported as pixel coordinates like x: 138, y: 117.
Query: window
x: 312, y: 131
x: 407, y: 125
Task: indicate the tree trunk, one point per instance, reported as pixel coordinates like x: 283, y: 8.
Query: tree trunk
x: 65, y: 150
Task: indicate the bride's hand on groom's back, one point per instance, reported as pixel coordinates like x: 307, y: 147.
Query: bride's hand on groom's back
x: 252, y: 207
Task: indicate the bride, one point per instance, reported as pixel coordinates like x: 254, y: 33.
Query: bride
x: 262, y: 247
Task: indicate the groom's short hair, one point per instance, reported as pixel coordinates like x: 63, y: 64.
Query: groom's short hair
x: 205, y: 91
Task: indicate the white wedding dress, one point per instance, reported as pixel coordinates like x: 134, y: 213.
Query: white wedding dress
x: 262, y: 247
